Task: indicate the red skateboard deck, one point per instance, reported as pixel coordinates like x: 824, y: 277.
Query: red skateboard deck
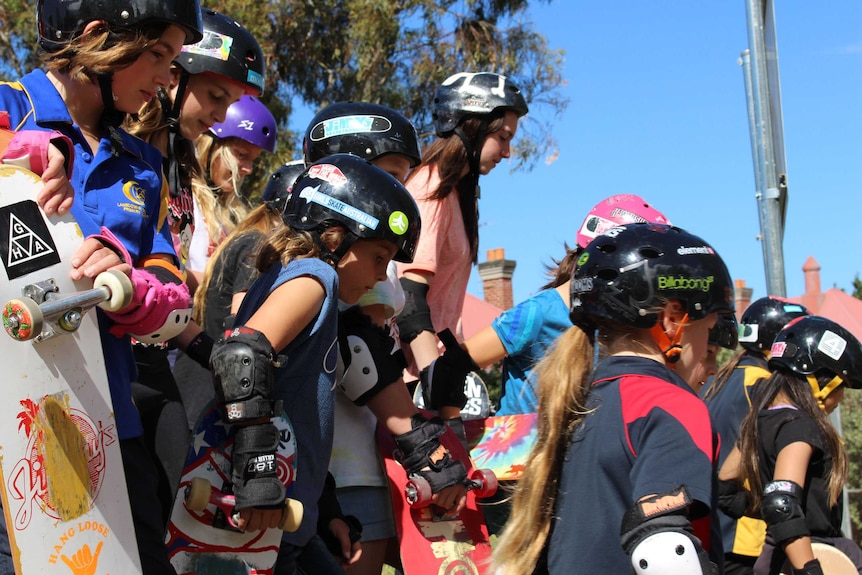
x: 430, y: 544
x: 200, y: 538
x: 501, y: 443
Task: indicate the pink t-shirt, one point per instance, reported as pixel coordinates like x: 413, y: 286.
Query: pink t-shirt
x: 443, y: 250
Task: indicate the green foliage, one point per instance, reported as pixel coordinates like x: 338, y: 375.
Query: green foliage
x: 392, y: 52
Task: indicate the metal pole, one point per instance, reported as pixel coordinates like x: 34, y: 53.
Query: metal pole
x: 770, y: 182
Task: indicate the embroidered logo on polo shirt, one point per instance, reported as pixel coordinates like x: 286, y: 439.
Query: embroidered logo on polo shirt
x: 136, y: 196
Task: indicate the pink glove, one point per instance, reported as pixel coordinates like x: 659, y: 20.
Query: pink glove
x: 153, y: 302
x: 29, y: 149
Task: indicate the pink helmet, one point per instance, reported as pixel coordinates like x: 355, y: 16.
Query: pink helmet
x: 616, y: 211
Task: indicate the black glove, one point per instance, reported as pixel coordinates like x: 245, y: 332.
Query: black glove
x: 732, y: 500
x: 424, y: 455
x: 443, y: 380
x: 811, y: 568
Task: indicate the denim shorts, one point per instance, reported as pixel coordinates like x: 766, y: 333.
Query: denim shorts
x: 372, y: 506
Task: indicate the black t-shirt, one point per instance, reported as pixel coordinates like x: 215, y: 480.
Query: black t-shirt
x: 778, y: 428
x: 233, y: 272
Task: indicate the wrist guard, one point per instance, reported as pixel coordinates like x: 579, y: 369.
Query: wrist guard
x: 254, y: 467
x: 29, y: 148
x: 811, y: 568
x: 160, y: 307
x: 416, y: 315
x: 422, y: 454
x: 200, y: 349
x: 443, y: 381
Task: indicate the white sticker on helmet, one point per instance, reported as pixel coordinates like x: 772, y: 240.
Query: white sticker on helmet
x: 832, y: 345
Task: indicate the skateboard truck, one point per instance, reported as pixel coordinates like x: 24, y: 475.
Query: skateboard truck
x: 418, y: 490
x: 42, y: 312
x: 200, y: 493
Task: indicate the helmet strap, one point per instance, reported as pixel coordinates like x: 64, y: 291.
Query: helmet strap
x: 333, y: 256
x: 670, y: 348
x: 821, y: 393
x: 474, y: 152
x: 111, y: 118
x: 172, y: 109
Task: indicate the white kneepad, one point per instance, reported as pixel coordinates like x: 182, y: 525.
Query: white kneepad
x: 666, y: 553
x: 361, y: 376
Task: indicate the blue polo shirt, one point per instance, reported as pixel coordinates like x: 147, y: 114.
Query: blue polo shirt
x: 122, y: 193
x: 647, y: 433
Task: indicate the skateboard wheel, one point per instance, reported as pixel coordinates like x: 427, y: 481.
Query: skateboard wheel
x: 293, y: 511
x: 120, y: 287
x: 197, y: 495
x: 418, y: 492
x: 22, y: 319
x: 487, y: 481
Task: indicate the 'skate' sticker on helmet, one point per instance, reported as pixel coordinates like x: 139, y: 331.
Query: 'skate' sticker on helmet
x: 344, y: 125
x: 315, y: 196
x: 327, y: 173
x: 398, y: 223
x: 213, y: 44
x: 832, y: 345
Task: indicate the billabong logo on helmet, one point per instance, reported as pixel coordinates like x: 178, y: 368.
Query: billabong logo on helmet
x: 398, y: 223
x: 684, y: 283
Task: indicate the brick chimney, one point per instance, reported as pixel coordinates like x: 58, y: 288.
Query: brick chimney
x: 496, y: 274
x: 742, y: 296
x: 812, y: 296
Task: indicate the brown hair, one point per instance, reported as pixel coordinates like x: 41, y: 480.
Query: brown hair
x: 221, y: 210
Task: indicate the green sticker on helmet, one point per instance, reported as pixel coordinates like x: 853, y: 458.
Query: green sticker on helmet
x: 583, y: 259
x: 398, y: 223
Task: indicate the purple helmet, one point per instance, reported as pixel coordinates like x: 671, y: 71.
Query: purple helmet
x: 250, y: 120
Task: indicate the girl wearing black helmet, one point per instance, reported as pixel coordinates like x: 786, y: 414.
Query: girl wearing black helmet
x: 788, y: 452
x: 105, y: 59
x: 476, y: 116
x: 206, y: 79
x: 728, y: 398
x: 344, y: 221
x: 622, y: 469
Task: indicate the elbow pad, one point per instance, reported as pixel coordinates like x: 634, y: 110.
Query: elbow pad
x: 416, y: 316
x: 374, y: 362
x: 782, y: 511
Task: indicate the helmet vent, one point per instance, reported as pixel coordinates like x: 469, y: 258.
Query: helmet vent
x: 650, y: 253
x: 608, y: 274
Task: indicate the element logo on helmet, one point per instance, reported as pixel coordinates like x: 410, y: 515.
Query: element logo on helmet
x: 705, y: 250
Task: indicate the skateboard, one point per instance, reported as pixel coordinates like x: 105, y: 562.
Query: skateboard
x: 429, y: 541
x: 202, y: 536
x: 478, y: 403
x: 502, y: 443
x: 61, y: 472
x: 832, y: 560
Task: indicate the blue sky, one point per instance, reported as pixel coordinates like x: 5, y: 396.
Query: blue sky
x: 657, y: 108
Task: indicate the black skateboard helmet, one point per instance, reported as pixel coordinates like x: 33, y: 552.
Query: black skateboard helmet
x: 280, y: 184
x: 763, y: 319
x: 469, y: 94
x: 629, y: 272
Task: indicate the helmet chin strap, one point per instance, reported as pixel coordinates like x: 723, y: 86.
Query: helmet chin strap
x: 333, y: 256
x: 474, y: 152
x: 671, y: 348
x: 821, y: 393
x: 171, y: 112
x: 111, y: 118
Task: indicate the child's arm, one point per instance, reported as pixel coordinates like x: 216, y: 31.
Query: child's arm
x: 782, y: 508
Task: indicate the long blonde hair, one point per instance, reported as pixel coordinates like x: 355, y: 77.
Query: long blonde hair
x: 221, y: 211
x: 262, y: 220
